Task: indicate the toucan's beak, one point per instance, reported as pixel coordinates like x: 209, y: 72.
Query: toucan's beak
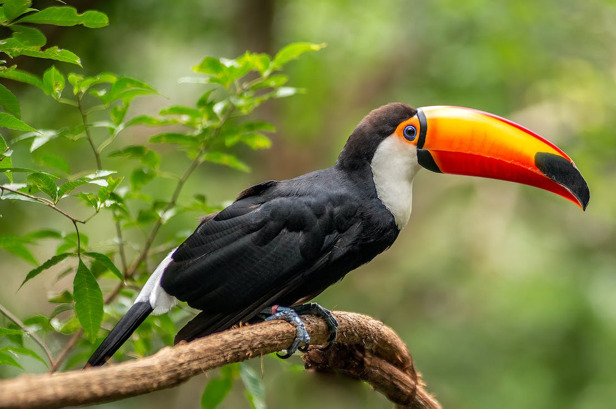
x: 465, y: 141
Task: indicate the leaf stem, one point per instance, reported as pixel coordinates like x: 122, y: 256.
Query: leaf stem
x: 84, y: 119
x: 32, y: 335
x: 120, y: 243
x: 78, y: 240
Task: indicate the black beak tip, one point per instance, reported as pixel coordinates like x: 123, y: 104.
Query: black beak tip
x: 563, y: 172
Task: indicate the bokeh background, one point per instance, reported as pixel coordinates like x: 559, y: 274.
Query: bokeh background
x: 505, y: 294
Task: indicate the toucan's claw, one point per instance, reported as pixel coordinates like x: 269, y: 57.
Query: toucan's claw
x: 301, y: 334
x: 315, y: 309
x: 292, y: 316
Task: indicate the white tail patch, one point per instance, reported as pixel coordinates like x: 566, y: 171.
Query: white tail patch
x: 159, y: 300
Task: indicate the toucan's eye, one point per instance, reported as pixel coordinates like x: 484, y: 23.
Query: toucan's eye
x: 410, y: 132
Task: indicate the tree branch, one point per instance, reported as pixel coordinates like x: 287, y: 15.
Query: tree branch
x: 379, y: 356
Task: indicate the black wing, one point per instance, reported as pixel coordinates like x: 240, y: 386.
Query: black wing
x: 261, y: 250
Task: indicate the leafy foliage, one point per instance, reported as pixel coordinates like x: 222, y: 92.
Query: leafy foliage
x: 208, y: 131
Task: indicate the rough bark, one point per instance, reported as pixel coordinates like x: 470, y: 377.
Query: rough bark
x: 366, y: 349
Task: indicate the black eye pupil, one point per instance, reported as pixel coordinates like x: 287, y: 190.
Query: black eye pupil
x: 410, y: 132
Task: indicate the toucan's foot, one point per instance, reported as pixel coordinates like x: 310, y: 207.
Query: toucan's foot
x: 301, y: 335
x: 291, y: 315
x: 315, y: 309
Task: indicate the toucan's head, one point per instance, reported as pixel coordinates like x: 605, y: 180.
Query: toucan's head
x: 397, y: 140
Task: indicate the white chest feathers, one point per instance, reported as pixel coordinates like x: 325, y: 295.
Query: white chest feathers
x: 393, y: 168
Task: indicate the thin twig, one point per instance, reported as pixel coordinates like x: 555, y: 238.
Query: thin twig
x: 43, y: 201
x: 67, y: 348
x: 32, y: 335
x: 84, y: 119
x: 120, y: 243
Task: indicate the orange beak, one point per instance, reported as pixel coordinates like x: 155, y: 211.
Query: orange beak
x: 465, y: 141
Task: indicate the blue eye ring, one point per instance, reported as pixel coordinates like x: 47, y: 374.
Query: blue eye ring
x: 410, y: 133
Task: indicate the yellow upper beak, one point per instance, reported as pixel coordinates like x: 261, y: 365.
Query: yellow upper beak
x: 465, y: 141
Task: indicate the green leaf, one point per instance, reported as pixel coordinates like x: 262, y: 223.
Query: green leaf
x: 9, y: 121
x: 104, y: 260
x: 223, y: 71
x: 62, y: 298
x: 10, y: 331
x: 62, y: 307
x: 25, y: 351
x: 53, y: 82
x: 90, y: 199
x: 88, y: 301
x: 21, y: 76
x: 82, y: 84
x: 53, y: 53
x: 45, y: 183
x: 118, y: 112
x: 28, y: 36
x: 100, y: 177
x: 15, y: 8
x: 69, y: 186
x: 3, y: 145
x: 126, y: 88
x: 41, y: 138
x: 210, y: 66
x: 255, y: 391
x: 218, y: 388
x: 43, y: 234
x: 67, y: 16
x: 70, y: 243
x: 249, y: 134
x: 9, y: 102
x: 146, y: 216
x: 181, y: 110
x: 69, y: 327
x: 273, y: 81
x: 53, y: 161
x: 256, y: 62
x: 226, y: 159
x: 151, y: 121
x: 175, y: 138
x: 38, y: 322
x: 140, y: 177
x: 7, y: 359
x: 48, y: 264
x: 292, y: 51
x: 113, y: 183
x: 18, y: 249
x: 147, y: 156
x: 16, y: 196
x: 17, y: 170
x: 6, y: 163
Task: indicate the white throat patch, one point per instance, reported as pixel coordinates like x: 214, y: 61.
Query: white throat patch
x: 393, y: 168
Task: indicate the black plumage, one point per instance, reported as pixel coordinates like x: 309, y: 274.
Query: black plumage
x: 285, y: 242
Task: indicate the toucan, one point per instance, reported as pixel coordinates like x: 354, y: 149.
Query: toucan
x: 281, y: 243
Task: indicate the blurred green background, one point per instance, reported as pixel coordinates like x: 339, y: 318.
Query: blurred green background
x: 505, y: 294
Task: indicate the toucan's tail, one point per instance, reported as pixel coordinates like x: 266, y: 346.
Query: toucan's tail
x: 120, y: 333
